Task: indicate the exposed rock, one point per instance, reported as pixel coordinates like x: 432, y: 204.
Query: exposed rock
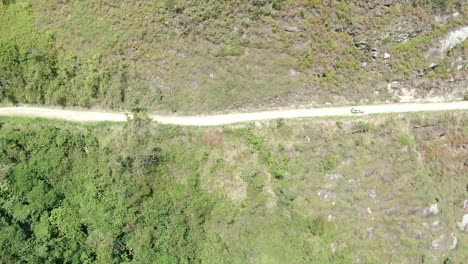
x: 445, y: 242
x: 434, y: 209
x: 333, y: 177
x: 403, y: 37
x: 324, y: 195
x: 414, y: 33
x: 389, y: 87
x: 418, y: 234
x: 369, y: 232
x: 443, y: 19
x: 176, y: 53
x: 414, y: 210
x: 419, y: 73
x: 384, y: 2
x: 375, y: 54
x: 395, y: 85
x: 335, y: 246
x: 431, y: 211
x: 347, y: 161
x: 433, y: 65
x: 420, y: 83
x: 386, y: 55
x: 379, y: 12
x: 453, y: 39
x: 386, y: 177
x: 454, y: 241
x: 293, y: 72
x: 439, y: 242
x: 372, y: 194
x: 407, y: 95
x: 361, y: 45
x: 463, y: 224
x: 292, y: 29
x: 404, y: 149
x: 392, y: 211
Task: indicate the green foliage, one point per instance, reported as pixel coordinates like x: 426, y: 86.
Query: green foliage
x: 8, y: 2
x: 145, y: 193
x: 88, y: 195
x: 63, y: 190
x: 364, y: 127
x: 9, y: 69
x: 277, y: 4
x: 330, y: 162
x: 276, y: 168
x: 317, y: 226
x: 234, y: 50
x: 406, y: 139
x: 439, y: 5
x: 31, y: 72
x: 174, y: 6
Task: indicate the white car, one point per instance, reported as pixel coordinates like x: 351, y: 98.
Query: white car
x: 356, y: 111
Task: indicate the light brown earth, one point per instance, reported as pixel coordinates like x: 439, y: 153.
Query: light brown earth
x: 231, y: 118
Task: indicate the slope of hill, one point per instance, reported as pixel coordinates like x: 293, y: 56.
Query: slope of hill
x: 205, y: 56
x: 384, y: 190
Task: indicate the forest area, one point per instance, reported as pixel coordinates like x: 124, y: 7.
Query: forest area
x: 71, y: 195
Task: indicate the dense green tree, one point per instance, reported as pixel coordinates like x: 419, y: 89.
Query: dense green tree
x: 64, y: 198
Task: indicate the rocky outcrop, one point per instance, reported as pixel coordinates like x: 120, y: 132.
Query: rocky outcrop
x: 445, y: 242
x: 384, y: 2
x: 431, y: 211
x: 451, y: 40
x: 463, y: 224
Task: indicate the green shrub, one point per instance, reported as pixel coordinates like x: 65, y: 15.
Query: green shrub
x: 234, y: 50
x: 330, y: 162
x: 318, y: 226
x: 364, y: 127
x: 406, y: 140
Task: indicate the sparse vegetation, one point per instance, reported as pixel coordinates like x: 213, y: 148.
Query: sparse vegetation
x: 363, y: 127
x: 217, y: 55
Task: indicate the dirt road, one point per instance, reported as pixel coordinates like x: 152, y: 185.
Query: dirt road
x: 224, y: 119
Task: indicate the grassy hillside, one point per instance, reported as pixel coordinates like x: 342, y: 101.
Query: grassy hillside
x: 201, y: 56
x: 308, y: 191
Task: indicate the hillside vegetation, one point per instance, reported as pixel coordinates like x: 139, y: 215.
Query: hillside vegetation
x: 386, y: 190
x: 202, y: 56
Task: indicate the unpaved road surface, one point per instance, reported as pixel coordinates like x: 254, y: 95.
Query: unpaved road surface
x: 225, y: 119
